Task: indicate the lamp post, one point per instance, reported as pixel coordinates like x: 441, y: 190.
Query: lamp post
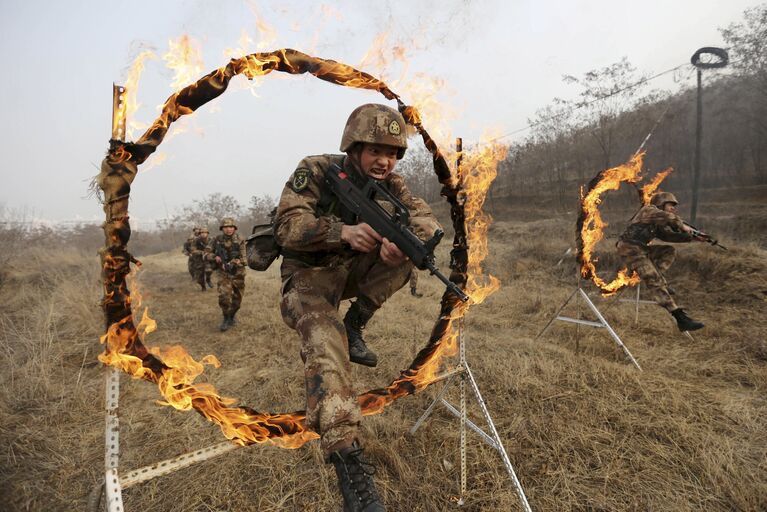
x: 719, y: 60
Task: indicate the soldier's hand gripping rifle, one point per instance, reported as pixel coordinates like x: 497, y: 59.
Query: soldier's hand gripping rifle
x: 362, y: 202
x: 697, y: 233
x: 226, y: 266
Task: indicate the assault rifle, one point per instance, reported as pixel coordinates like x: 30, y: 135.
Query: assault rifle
x: 362, y: 202
x: 227, y: 266
x: 704, y: 236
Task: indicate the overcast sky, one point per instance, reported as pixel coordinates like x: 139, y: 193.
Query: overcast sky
x: 498, y: 61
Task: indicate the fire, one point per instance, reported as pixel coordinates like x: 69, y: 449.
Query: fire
x: 478, y: 170
x: 175, y: 378
x: 649, y: 189
x: 131, y: 89
x: 173, y: 369
x: 591, y: 225
x: 184, y: 57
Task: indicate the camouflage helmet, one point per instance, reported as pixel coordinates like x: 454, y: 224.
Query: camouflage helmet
x: 226, y: 222
x: 661, y: 198
x: 204, y: 230
x: 375, y: 124
x: 196, y: 230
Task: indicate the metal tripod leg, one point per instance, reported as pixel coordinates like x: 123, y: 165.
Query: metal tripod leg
x: 501, y: 450
x: 557, y: 314
x: 609, y: 329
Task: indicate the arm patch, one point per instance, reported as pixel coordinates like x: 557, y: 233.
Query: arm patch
x: 300, y: 179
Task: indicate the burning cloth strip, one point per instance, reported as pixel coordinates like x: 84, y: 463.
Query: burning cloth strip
x: 590, y: 226
x: 173, y: 370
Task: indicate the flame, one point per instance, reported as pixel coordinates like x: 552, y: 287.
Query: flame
x: 131, y: 90
x: 591, y: 225
x: 479, y: 169
x: 387, y: 58
x: 175, y: 371
x: 184, y: 57
x: 649, y: 189
x: 175, y: 378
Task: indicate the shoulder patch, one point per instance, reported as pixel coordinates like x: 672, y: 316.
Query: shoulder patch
x: 300, y: 179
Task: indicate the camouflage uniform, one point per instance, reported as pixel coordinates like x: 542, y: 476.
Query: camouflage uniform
x: 231, y: 284
x: 649, y: 261
x: 318, y: 272
x: 199, y: 263
x: 188, y: 251
x: 414, y: 283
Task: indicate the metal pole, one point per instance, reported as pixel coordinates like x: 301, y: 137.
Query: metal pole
x: 698, y: 137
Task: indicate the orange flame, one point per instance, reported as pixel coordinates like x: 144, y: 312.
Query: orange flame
x: 592, y: 226
x: 131, y: 90
x: 176, y: 382
x: 649, y: 189
x: 478, y: 170
x: 184, y: 57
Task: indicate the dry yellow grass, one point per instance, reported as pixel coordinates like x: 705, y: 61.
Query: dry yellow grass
x: 584, y: 430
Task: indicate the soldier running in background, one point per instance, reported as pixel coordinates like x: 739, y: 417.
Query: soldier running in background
x: 657, y: 220
x: 327, y: 257
x: 414, y: 283
x: 188, y: 250
x: 228, y: 251
x: 208, y: 265
x: 198, y: 260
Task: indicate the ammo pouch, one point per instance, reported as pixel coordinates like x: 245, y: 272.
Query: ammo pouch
x: 261, y: 247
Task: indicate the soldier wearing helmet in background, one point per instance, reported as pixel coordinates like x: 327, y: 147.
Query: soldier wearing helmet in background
x: 197, y: 259
x: 188, y: 250
x: 657, y: 220
x: 228, y: 251
x: 328, y: 256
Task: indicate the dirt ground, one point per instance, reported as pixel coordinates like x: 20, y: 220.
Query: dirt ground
x: 584, y: 429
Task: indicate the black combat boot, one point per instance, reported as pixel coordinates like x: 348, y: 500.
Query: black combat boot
x: 207, y: 280
x: 684, y: 322
x: 415, y: 293
x: 355, y: 479
x: 232, y: 321
x: 354, y: 321
x: 225, y: 324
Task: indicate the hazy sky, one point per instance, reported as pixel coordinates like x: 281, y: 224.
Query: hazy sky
x: 496, y: 61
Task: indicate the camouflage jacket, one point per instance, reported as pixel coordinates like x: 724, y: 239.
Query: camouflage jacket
x: 198, y: 247
x: 651, y: 222
x: 309, y: 217
x: 188, y: 246
x: 232, y: 248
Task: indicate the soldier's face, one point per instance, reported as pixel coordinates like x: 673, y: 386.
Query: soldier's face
x: 204, y: 235
x: 378, y: 160
x: 229, y: 230
x: 669, y: 207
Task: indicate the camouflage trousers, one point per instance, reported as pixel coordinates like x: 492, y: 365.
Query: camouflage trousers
x: 310, y: 300
x: 230, y: 290
x: 201, y: 270
x: 649, y: 262
x: 190, y: 266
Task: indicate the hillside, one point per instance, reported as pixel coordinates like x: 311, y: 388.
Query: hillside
x: 584, y: 429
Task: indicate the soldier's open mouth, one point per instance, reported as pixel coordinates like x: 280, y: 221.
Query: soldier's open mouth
x: 377, y: 174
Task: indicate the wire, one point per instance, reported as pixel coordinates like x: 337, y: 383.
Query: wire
x: 600, y: 98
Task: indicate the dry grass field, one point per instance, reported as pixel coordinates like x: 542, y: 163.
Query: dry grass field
x: 584, y: 429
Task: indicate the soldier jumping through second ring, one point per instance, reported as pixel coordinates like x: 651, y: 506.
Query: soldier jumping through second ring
x: 329, y: 256
x: 228, y: 251
x: 657, y: 220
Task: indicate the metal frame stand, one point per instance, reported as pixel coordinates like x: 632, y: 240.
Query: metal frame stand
x: 465, y: 376
x: 578, y: 293
x: 114, y: 482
